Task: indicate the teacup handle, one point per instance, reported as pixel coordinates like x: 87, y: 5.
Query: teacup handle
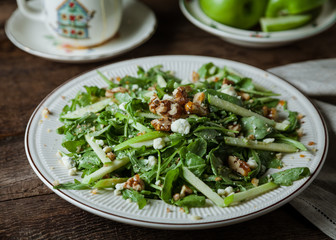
x: 29, y: 12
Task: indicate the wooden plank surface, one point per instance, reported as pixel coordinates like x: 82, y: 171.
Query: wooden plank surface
x: 29, y: 210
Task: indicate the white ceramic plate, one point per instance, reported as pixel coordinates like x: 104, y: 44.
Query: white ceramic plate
x: 42, y: 143
x: 137, y: 26
x: 193, y: 12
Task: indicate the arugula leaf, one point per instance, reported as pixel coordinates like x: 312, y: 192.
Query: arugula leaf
x: 191, y: 201
x: 195, y: 164
x: 198, y: 147
x: 287, y: 177
x: 72, y: 146
x: 135, y: 196
x: 256, y: 127
x: 73, y: 186
x: 171, y: 177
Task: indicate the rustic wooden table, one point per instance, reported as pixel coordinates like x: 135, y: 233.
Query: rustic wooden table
x: 29, y: 210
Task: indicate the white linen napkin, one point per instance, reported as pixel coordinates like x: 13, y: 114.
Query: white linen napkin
x: 318, y: 202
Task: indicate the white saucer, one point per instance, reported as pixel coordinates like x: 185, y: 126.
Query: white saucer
x: 137, y: 26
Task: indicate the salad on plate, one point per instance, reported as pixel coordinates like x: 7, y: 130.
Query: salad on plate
x: 154, y: 136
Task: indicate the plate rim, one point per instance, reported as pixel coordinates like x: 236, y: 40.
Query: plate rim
x: 79, y: 58
x: 165, y: 225
x: 256, y: 40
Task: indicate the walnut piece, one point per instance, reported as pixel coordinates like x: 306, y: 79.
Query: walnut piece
x: 135, y: 183
x: 162, y: 124
x: 238, y: 165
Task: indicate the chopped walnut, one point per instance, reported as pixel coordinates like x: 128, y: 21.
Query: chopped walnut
x: 111, y: 92
x: 199, y: 98
x: 165, y: 108
x: 196, y: 106
x: 238, y: 165
x: 255, y: 182
x: 228, y: 82
x: 135, y: 183
x: 185, y: 190
x: 162, y: 124
x: 111, y: 155
x: 195, y: 76
x: 176, y: 196
x: 269, y: 113
x: 244, y: 96
x: 235, y: 127
x: 181, y: 95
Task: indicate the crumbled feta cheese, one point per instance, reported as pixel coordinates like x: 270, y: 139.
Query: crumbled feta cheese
x: 58, y: 154
x: 100, y: 142
x: 122, y: 106
x: 195, y: 217
x: 67, y: 162
x: 175, y: 91
x: 286, y: 122
x: 167, y: 97
x: 151, y: 161
x: 107, y: 149
x: 228, y: 89
x: 128, y: 200
x: 117, y: 192
x: 56, y: 183
x: 158, y: 143
x: 252, y: 163
x: 228, y: 190
x: 135, y: 87
x: 221, y: 191
x: 181, y: 126
x: 268, y: 140
x: 119, y: 186
x: 225, y: 192
x: 72, y: 171
x: 158, y: 182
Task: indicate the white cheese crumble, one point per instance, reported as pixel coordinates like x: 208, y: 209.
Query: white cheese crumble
x: 152, y: 161
x: 228, y: 89
x: 158, y: 182
x: 268, y: 140
x: 158, y: 143
x: 122, y: 106
x: 181, y: 126
x: 118, y: 188
x: 100, y: 142
x: 225, y: 192
x: 135, y: 87
x: 252, y: 163
x: 72, y: 171
x: 107, y: 149
x: 195, y: 217
x: 67, y: 162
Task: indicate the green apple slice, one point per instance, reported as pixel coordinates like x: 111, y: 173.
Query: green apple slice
x: 283, y: 23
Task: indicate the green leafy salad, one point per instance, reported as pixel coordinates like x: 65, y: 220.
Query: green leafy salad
x: 154, y: 136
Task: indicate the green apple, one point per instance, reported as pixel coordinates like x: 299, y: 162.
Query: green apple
x: 277, y: 8
x: 284, y: 22
x: 235, y: 13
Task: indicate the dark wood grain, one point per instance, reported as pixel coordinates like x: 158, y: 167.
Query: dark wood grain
x: 29, y: 210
